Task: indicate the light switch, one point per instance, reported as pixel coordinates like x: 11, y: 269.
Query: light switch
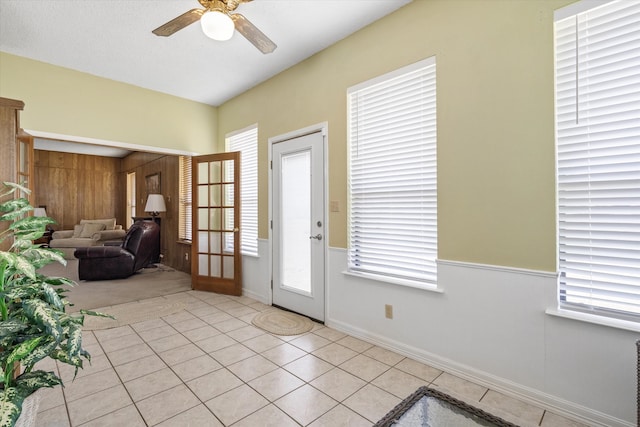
x: 334, y: 206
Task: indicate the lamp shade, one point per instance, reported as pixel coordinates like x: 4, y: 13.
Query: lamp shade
x: 155, y: 204
x: 217, y: 25
x: 41, y: 212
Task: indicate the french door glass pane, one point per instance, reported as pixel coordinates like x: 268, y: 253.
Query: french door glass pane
x: 214, y: 176
x: 228, y: 169
x: 216, y: 223
x: 202, y: 219
x: 215, y: 266
x: 203, y: 265
x: 202, y: 242
x: 203, y: 196
x: 203, y: 171
x: 228, y: 267
x: 215, y: 195
x: 215, y: 243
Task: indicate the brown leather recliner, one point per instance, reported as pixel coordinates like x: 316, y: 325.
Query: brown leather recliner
x: 139, y: 248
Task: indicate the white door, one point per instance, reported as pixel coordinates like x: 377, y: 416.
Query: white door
x: 299, y: 225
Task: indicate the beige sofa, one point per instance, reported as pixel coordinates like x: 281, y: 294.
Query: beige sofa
x: 90, y: 232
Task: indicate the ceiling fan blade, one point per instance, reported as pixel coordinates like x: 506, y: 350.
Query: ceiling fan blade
x: 253, y: 34
x: 179, y: 23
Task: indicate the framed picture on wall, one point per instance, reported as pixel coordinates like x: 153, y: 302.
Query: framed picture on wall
x: 153, y: 183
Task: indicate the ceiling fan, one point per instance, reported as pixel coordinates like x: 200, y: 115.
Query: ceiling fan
x: 218, y: 23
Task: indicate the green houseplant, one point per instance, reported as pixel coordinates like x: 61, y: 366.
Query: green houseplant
x: 34, y: 322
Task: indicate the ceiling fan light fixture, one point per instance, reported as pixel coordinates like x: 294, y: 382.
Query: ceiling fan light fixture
x: 217, y: 25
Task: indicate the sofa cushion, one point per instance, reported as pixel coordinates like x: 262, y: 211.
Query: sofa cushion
x: 109, y: 223
x: 90, y: 228
x: 62, y: 234
x: 77, y: 230
x: 74, y: 242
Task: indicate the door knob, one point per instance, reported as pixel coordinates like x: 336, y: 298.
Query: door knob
x: 317, y: 236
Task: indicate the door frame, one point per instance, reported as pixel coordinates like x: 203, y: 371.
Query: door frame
x: 322, y: 127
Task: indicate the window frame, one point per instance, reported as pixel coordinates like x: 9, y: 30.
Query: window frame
x: 185, y: 199
x: 364, y: 259
x: 593, y: 238
x: 237, y: 141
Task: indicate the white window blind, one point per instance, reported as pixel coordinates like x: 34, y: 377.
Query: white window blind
x: 392, y: 176
x: 246, y: 141
x: 598, y: 157
x: 184, y: 202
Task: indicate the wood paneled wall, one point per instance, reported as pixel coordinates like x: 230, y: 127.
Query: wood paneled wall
x: 77, y: 186
x: 9, y: 125
x: 145, y: 164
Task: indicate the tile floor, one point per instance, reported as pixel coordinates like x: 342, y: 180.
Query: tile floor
x: 208, y: 366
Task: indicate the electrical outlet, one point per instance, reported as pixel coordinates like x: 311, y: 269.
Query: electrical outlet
x: 388, y: 311
x: 186, y: 256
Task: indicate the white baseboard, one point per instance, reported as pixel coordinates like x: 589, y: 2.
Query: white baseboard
x: 560, y: 407
x: 256, y: 296
x: 490, y: 325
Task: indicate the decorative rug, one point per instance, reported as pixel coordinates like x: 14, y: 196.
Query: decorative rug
x: 281, y: 322
x: 429, y: 407
x: 133, y: 312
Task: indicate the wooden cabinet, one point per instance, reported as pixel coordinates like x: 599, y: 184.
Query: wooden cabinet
x: 9, y: 128
x: 16, y: 146
x: 16, y: 161
x: 24, y: 162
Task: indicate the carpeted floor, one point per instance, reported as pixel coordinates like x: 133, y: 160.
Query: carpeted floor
x: 147, y: 283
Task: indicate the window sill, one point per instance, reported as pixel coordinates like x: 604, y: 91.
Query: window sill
x: 594, y: 319
x: 394, y: 281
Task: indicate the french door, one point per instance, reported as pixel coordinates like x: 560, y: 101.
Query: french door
x: 299, y: 225
x: 216, y: 257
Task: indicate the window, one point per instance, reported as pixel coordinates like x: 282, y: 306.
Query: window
x: 25, y: 174
x: 392, y: 176
x: 246, y: 141
x: 131, y: 198
x: 597, y: 67
x: 184, y: 202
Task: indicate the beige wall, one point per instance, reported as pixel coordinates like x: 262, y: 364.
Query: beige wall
x: 495, y: 117
x: 495, y: 120
x: 62, y: 101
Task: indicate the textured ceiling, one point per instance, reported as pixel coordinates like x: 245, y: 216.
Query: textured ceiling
x: 113, y: 39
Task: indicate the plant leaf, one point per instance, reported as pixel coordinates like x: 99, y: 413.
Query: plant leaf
x: 18, y: 353
x: 22, y: 350
x: 12, y: 187
x: 32, y: 381
x: 97, y: 313
x: 69, y: 360
x: 59, y: 281
x: 7, y: 258
x: 10, y: 327
x: 14, y: 208
x: 40, y: 256
x: 38, y: 354
x: 23, y: 266
x: 42, y: 314
x: 10, y: 406
x: 12, y: 398
x: 74, y: 340
x: 52, y: 297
